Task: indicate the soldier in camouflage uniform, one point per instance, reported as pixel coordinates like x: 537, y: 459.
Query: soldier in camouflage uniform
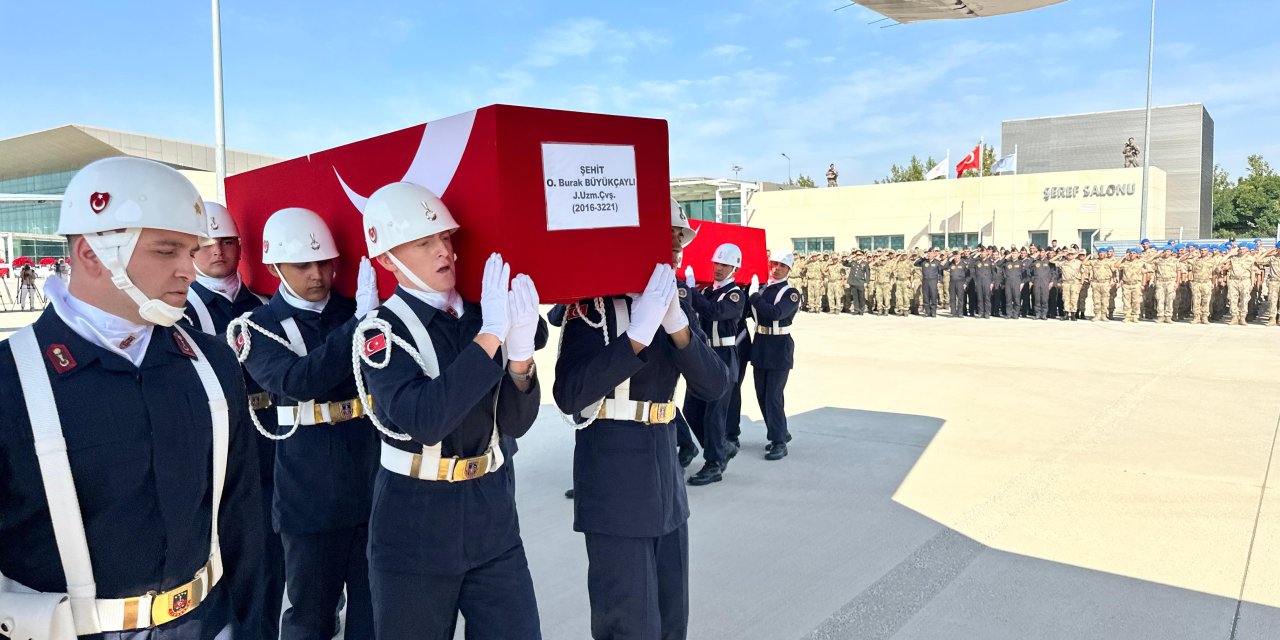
x: 1165, y: 270
x: 815, y: 283
x: 902, y: 270
x: 1134, y: 275
x: 797, y: 278
x: 1239, y: 270
x: 1070, y: 275
x: 836, y: 274
x: 1202, y: 270
x: 884, y: 285
x: 1272, y: 262
x: 1102, y: 274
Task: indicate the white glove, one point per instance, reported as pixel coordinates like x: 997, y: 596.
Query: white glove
x: 493, y: 298
x: 675, y: 320
x: 688, y: 277
x: 650, y: 308
x: 755, y: 285
x: 523, y: 305
x: 366, y: 289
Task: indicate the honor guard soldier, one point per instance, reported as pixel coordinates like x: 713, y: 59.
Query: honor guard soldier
x: 444, y: 536
x: 719, y: 310
x: 216, y: 298
x: 298, y: 347
x: 620, y: 359
x: 773, y: 352
x: 129, y: 493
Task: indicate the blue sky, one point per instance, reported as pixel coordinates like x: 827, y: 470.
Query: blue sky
x: 739, y: 82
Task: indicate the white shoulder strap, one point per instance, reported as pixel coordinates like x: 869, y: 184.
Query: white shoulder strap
x: 202, y: 312
x: 59, y: 488
x: 296, y: 343
x: 417, y: 332
x: 220, y: 416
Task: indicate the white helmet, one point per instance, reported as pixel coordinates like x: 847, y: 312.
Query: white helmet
x: 296, y: 235
x: 403, y: 212
x: 728, y: 254
x: 679, y: 219
x: 112, y: 200
x: 784, y: 257
x: 221, y: 224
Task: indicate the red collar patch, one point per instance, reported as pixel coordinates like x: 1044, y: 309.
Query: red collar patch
x: 183, y: 345
x: 60, y: 357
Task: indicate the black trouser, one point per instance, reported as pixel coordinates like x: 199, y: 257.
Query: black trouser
x: 1025, y: 304
x: 770, y: 384
x: 684, y: 435
x: 638, y: 587
x: 1041, y: 293
x: 983, y: 292
x: 273, y: 568
x: 707, y: 418
x: 858, y: 299
x: 495, y: 599
x: 929, y: 298
x: 1012, y: 300
x: 317, y: 567
x: 957, y: 297
x: 997, y: 300
x: 971, y: 298
x: 733, y: 428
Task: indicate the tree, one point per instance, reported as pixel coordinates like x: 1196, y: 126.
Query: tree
x: 914, y: 171
x: 805, y: 182
x: 1250, y: 208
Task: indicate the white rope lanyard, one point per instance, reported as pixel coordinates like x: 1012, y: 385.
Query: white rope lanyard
x: 243, y: 323
x: 373, y: 323
x: 603, y: 326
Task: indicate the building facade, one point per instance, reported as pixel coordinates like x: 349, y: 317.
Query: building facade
x: 1181, y: 145
x: 42, y: 163
x: 1072, y: 207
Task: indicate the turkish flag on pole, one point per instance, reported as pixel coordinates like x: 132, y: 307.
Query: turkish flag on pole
x: 971, y: 161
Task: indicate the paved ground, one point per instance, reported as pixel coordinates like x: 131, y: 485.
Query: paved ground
x: 974, y: 479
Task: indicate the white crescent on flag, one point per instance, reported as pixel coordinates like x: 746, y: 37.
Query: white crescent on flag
x: 435, y: 161
x: 905, y: 11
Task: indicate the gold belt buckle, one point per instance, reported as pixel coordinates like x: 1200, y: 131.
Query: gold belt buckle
x: 464, y: 468
x: 660, y: 413
x: 168, y: 606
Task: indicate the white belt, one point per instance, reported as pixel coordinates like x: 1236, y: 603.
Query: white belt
x: 448, y: 470
x: 150, y: 609
x: 772, y: 331
x: 717, y: 341
x: 636, y: 411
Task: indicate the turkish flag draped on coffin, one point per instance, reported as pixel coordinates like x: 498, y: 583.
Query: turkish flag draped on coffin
x: 578, y: 201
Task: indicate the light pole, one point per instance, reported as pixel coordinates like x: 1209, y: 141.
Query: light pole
x: 735, y: 169
x: 1146, y: 139
x: 788, y: 168
x: 219, y: 134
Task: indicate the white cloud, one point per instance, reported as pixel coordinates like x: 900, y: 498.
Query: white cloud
x: 586, y: 36
x: 728, y: 51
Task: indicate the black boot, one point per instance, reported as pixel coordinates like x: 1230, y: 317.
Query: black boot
x: 777, y: 452
x: 687, y: 454
x: 711, y: 472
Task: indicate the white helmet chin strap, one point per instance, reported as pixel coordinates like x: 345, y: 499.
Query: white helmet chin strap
x: 114, y: 250
x: 413, y: 277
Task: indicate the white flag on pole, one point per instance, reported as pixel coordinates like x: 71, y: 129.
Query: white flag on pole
x: 938, y: 171
x: 1007, y: 163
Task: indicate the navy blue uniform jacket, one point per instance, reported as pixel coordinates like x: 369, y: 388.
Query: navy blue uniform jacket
x: 626, y: 478
x: 774, y: 352
x: 140, y: 443
x: 433, y: 527
x: 324, y: 473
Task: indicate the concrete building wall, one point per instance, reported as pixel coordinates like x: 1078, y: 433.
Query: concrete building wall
x: 1181, y: 145
x: 1002, y: 210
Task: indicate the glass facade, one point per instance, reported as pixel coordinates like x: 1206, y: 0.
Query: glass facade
x: 33, y: 217
x: 706, y: 210
x: 1038, y: 238
x: 869, y: 243
x: 805, y: 246
x: 957, y: 240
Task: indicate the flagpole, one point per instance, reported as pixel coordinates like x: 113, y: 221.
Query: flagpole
x: 946, y: 203
x: 1015, y: 191
x: 982, y: 154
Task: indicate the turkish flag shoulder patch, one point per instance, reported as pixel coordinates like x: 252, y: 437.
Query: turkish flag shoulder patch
x: 375, y: 344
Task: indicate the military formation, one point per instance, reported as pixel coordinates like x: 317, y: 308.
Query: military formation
x: 178, y: 454
x: 1233, y: 282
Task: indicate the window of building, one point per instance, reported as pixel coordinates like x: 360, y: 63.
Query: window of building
x: 870, y: 243
x: 1086, y: 239
x: 1038, y: 238
x: 953, y: 240
x: 805, y: 246
x: 730, y: 208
